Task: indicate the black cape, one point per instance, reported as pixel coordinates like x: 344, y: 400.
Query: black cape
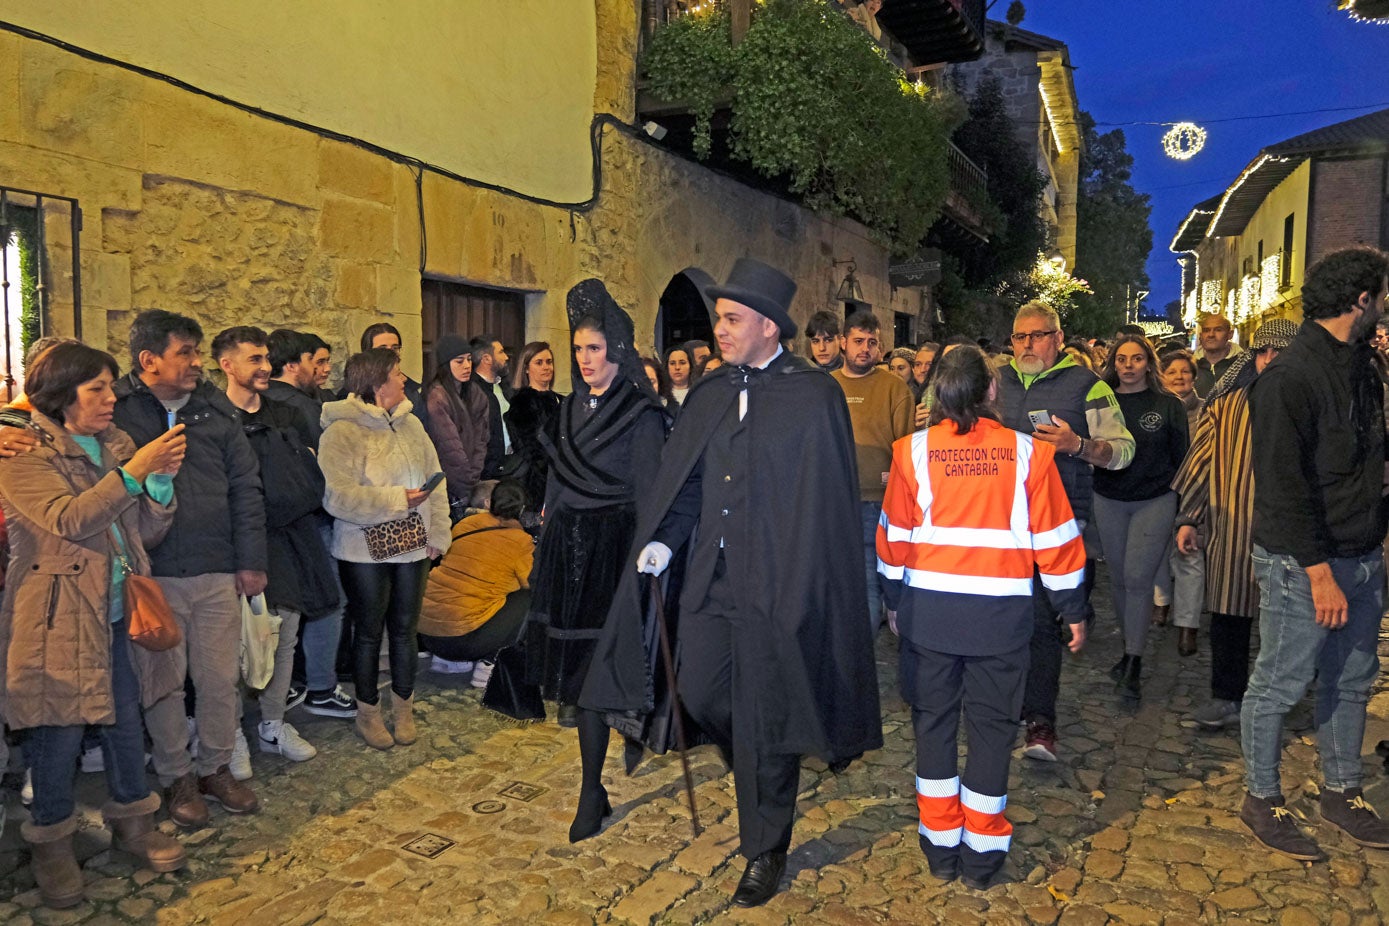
x: 803, y: 580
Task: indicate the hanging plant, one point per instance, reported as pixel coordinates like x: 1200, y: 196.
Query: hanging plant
x: 817, y: 102
x: 690, y: 59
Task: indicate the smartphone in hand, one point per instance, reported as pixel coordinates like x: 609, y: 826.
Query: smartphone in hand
x: 432, y: 482
x: 1040, y: 417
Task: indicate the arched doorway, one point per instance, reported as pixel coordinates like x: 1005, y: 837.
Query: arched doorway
x: 686, y: 312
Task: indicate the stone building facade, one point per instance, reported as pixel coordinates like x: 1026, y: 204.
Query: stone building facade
x: 241, y: 213
x: 1034, y: 74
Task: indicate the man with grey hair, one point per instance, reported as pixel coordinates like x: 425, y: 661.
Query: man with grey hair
x: 1045, y: 393
x: 1216, y: 354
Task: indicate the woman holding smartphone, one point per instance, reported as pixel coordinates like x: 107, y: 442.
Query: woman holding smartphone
x: 377, y: 460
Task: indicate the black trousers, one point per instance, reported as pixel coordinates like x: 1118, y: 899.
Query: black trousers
x: 501, y: 629
x: 1044, y: 674
x: 383, y: 597
x: 1230, y: 655
x: 962, y: 817
x: 717, y: 690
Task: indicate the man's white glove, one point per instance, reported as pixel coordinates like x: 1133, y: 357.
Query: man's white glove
x: 654, y: 558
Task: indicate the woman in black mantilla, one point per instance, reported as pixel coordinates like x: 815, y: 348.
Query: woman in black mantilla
x: 605, y: 450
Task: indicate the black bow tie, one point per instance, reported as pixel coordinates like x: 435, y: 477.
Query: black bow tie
x: 744, y: 376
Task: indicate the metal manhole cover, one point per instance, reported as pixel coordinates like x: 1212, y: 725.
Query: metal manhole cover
x: 489, y: 807
x: 429, y: 845
x: 522, y: 791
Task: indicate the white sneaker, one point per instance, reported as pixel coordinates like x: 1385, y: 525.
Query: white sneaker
x: 93, y: 760
x: 482, y: 672
x: 26, y: 793
x: 192, y: 738
x: 240, y: 764
x: 446, y: 667
x: 281, y: 739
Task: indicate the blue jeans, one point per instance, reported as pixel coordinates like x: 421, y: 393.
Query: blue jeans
x: 1293, y: 649
x: 871, y: 512
x: 51, y: 752
x: 320, y: 637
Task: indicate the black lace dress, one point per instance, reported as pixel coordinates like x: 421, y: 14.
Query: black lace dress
x: 605, y: 451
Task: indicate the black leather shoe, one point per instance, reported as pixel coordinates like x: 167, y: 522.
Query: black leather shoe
x: 946, y: 871
x: 1117, y: 671
x: 761, y: 880
x: 567, y: 716
x: 1130, y: 685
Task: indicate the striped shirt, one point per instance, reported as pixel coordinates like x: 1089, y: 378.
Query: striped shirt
x: 968, y: 521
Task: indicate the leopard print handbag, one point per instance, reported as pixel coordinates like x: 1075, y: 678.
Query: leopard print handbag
x: 394, y: 538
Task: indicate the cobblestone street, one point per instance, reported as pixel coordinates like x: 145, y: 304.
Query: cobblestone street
x: 1136, y: 824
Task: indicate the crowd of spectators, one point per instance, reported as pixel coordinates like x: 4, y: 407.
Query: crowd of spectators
x: 478, y: 517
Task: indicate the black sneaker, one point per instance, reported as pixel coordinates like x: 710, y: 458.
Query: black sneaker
x: 1274, y: 825
x: 1350, y: 811
x: 335, y: 703
x: 296, y: 696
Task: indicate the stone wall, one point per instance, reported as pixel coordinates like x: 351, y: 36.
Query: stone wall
x: 195, y: 206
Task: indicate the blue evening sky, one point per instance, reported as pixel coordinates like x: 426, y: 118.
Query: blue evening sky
x: 1203, y: 60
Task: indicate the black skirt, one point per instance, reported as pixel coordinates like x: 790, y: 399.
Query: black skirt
x: 581, y: 556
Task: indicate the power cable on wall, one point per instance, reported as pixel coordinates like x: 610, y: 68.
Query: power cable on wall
x: 417, y: 166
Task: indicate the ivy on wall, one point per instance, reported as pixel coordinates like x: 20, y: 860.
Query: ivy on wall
x: 815, y: 101
x: 22, y: 230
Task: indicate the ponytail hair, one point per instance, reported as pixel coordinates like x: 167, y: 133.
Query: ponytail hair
x: 960, y: 385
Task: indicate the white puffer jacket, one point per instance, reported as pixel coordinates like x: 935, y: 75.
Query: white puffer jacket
x: 369, y: 457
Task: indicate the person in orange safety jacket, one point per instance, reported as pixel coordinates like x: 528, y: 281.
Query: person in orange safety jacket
x: 973, y: 511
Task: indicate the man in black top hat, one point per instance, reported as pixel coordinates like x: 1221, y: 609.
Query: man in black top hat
x: 775, y: 656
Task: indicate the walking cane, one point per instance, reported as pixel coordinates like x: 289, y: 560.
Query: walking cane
x: 669, y: 660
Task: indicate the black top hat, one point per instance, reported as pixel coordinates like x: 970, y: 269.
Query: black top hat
x: 763, y: 289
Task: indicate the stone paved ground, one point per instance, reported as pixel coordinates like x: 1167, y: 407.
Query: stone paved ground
x: 1135, y: 825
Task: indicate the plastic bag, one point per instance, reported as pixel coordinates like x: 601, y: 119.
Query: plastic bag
x: 260, y: 637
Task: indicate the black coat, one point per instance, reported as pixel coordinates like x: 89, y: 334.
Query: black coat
x: 219, y: 525
x: 310, y: 408
x: 1317, y: 423
x: 301, y: 573
x: 801, y: 576
x: 531, y: 414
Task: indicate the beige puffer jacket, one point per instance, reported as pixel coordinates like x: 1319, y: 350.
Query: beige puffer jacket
x: 55, y: 628
x: 369, y: 457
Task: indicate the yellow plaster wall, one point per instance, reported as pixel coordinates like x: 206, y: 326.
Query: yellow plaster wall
x: 1267, y: 224
x: 499, y: 92
x: 1223, y: 258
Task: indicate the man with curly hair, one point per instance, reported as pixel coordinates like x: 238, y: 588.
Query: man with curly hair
x: 1319, y: 521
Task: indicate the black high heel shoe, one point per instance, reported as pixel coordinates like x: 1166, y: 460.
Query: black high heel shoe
x: 593, y: 810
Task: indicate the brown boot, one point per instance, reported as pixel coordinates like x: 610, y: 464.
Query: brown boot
x: 234, y: 796
x: 404, y: 711
x: 186, y: 806
x: 370, y: 726
x: 54, y: 865
x: 133, y: 826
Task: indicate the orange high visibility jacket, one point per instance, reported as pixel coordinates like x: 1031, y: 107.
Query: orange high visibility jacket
x: 967, y: 521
